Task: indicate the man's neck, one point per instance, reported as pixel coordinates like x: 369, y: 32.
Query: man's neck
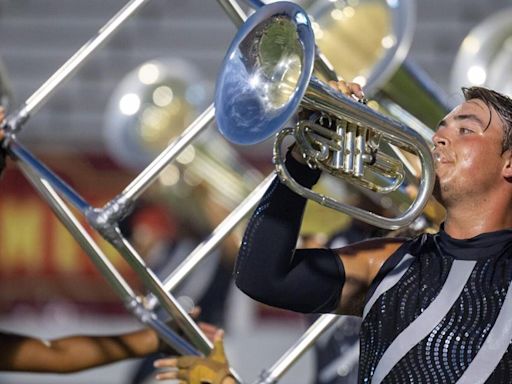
x: 470, y: 219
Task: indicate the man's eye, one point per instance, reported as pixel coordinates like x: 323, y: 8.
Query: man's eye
x: 465, y: 131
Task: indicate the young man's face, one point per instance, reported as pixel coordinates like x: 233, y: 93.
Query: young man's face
x: 467, y: 154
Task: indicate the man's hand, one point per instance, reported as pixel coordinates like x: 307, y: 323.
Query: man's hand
x: 213, y: 369
x: 208, y: 329
x: 348, y: 89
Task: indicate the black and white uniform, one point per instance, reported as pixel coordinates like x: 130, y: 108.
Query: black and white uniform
x: 440, y: 311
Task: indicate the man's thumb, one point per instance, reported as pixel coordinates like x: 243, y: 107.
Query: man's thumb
x: 218, y: 353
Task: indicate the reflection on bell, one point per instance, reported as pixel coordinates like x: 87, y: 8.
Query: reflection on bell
x: 151, y: 106
x: 264, y: 71
x: 279, y: 59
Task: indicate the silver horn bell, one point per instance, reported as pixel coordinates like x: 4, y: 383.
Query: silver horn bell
x: 267, y: 75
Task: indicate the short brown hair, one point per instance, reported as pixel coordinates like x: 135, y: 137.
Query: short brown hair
x: 500, y: 103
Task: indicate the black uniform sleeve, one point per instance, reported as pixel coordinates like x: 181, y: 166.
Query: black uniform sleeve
x: 269, y: 268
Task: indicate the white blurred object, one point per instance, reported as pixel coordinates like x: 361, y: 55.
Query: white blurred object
x: 485, y: 56
x: 152, y: 105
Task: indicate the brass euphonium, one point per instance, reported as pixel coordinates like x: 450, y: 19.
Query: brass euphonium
x: 267, y: 74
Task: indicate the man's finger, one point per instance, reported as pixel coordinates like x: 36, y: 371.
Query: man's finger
x: 195, y: 312
x: 333, y: 84
x: 209, y: 330
x: 168, y: 375
x: 219, y: 337
x: 166, y: 363
x: 348, y: 89
x: 356, y: 89
x: 218, y: 353
x: 340, y: 86
x: 344, y: 88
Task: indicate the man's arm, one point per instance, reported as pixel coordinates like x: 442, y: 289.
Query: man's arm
x: 74, y: 353
x: 270, y: 269
x: 362, y: 261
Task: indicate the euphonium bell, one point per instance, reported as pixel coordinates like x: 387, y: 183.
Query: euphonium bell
x: 267, y: 73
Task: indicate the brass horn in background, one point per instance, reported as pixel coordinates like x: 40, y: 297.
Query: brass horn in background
x: 485, y: 56
x: 367, y: 41
x: 267, y: 74
x: 150, y: 108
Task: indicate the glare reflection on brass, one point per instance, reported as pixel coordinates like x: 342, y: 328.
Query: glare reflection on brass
x: 279, y: 64
x: 262, y: 72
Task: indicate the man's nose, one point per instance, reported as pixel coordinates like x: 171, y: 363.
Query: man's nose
x: 439, y: 138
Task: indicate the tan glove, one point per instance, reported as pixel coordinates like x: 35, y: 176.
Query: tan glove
x: 208, y: 329
x: 213, y: 369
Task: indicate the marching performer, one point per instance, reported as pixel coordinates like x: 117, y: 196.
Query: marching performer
x: 436, y: 308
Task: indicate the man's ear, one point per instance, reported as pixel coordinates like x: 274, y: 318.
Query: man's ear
x: 507, y: 168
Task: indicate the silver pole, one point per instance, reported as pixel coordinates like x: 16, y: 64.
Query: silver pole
x: 103, y: 219
x: 289, y: 358
x: 218, y: 234
x: 166, y: 299
x: 120, y: 286
x: 112, y: 234
x: 118, y: 207
x: 26, y: 157
x: 72, y: 64
x: 146, y: 177
x: 234, y: 12
x: 83, y: 238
